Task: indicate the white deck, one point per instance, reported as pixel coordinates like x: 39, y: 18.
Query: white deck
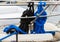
x: 29, y: 37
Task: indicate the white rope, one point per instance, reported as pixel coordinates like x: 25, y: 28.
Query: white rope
x: 29, y: 17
